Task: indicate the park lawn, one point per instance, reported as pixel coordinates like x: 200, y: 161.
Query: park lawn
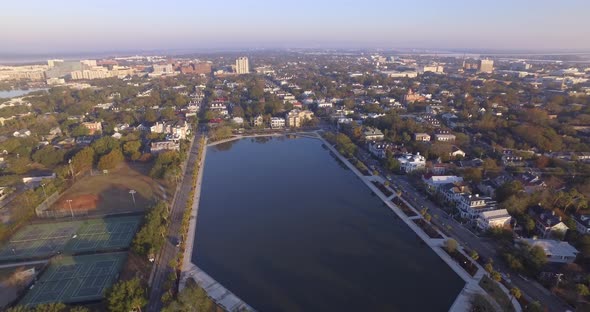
x: 113, y: 189
x: 494, y: 290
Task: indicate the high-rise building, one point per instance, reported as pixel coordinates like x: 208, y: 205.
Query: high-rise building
x: 486, y: 66
x: 164, y: 69
x: 52, y: 63
x: 89, y: 63
x: 242, y: 66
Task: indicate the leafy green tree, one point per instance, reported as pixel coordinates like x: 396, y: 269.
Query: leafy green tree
x: 515, y: 292
x: 474, y: 255
x: 537, y: 257
x: 126, y: 296
x: 166, y: 166
x: 221, y: 133
x: 131, y: 149
x: 50, y: 307
x: 110, y: 160
x: 150, y: 237
x: 150, y: 116
x: 83, y: 160
x: 18, y: 308
x: 105, y: 145
x: 582, y: 290
x: 19, y: 165
x: 191, y: 299
x: 79, y: 309
x: 167, y: 113
x: 508, y: 189
x: 451, y: 245
x: 80, y: 130
x: 513, y: 262
x: 534, y: 307
x: 390, y: 162
x: 496, y: 276
x: 49, y: 156
x: 489, y: 267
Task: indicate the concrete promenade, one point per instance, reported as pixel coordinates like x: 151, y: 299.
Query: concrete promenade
x: 219, y: 294
x: 462, y: 302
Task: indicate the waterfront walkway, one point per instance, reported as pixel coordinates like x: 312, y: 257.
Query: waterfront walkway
x: 463, y: 300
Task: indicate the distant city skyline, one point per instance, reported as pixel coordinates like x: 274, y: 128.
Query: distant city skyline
x: 82, y: 26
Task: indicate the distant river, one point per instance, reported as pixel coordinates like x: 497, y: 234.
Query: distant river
x: 15, y: 93
x: 286, y: 227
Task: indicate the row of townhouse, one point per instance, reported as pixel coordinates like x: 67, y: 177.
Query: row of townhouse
x: 480, y: 210
x: 175, y: 131
x: 444, y: 136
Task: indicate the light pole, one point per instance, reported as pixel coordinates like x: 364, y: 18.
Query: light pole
x: 71, y: 170
x: 43, y: 186
x: 132, y: 192
x: 71, y: 211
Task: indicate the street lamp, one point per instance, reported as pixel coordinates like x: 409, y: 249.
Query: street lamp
x: 69, y: 201
x: 43, y: 186
x: 71, y: 170
x: 132, y: 192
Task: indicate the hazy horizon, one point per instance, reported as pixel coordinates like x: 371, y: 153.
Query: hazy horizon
x: 39, y: 27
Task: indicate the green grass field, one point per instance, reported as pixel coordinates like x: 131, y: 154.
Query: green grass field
x: 76, y: 279
x: 39, y: 241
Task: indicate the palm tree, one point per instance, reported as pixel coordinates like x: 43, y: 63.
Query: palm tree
x: 515, y: 293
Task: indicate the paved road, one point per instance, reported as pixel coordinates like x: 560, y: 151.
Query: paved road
x: 532, y: 290
x: 170, y: 251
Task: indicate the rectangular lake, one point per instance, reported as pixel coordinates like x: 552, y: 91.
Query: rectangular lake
x: 286, y: 227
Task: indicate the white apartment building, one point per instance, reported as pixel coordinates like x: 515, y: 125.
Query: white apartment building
x: 277, y: 123
x: 472, y: 206
x: 242, y: 66
x: 498, y: 218
x: 409, y: 162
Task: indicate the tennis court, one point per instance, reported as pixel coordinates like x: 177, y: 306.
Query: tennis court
x: 39, y: 241
x: 104, y: 234
x: 76, y: 279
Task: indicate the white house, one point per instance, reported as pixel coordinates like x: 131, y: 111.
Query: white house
x: 444, y: 137
x: 277, y: 123
x: 379, y: 149
x: 409, y: 162
x: 471, y: 206
x: 424, y: 137
x: 23, y: 133
x: 456, y: 152
x: 433, y: 182
x: 556, y: 251
x: 493, y: 218
x: 373, y: 134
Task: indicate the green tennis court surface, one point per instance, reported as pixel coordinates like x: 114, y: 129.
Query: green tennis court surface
x: 45, y: 240
x: 76, y: 279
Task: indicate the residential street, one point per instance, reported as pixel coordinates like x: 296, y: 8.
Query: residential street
x: 531, y: 289
x: 170, y: 251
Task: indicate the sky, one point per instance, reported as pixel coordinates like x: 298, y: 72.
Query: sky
x: 42, y: 26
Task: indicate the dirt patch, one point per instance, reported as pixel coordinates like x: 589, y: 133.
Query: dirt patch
x: 100, y: 193
x: 80, y: 202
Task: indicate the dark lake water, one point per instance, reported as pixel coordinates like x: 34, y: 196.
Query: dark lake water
x: 286, y: 227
